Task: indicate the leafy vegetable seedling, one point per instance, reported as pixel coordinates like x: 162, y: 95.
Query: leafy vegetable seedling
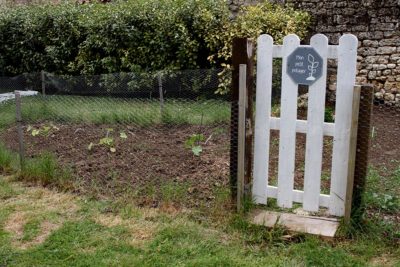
x: 44, y: 130
x: 123, y: 135
x: 193, y: 143
x: 108, y: 141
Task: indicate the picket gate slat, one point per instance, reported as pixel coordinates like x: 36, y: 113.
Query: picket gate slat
x: 277, y: 51
x: 263, y: 113
x: 315, y: 129
x: 287, y: 144
x: 347, y: 59
x: 301, y: 126
x: 298, y: 196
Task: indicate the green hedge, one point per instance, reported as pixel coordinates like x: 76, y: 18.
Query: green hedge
x: 133, y: 35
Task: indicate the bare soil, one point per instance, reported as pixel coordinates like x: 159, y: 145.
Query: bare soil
x: 152, y: 157
x: 147, y: 159
x: 385, y: 146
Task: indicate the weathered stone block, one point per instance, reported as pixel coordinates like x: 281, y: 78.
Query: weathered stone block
x: 386, y: 50
x: 389, y: 85
x: 367, y: 51
x: 379, y: 95
x: 372, y: 74
x: 389, y: 97
x: 382, y: 66
x: 386, y: 72
x: 390, y: 42
x: 363, y: 72
x: 370, y: 43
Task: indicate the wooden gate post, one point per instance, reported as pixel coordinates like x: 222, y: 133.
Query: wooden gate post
x: 352, y: 154
x: 241, y: 159
x: 242, y: 53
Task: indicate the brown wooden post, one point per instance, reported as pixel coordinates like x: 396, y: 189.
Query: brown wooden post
x: 352, y: 154
x: 362, y: 152
x: 241, y: 159
x: 242, y: 53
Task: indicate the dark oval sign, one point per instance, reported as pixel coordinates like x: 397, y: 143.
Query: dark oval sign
x: 304, y: 65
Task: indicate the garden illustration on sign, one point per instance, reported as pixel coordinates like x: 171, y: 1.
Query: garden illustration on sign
x: 303, y: 66
x: 312, y: 67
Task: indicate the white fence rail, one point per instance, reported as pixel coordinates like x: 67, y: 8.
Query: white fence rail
x: 314, y: 127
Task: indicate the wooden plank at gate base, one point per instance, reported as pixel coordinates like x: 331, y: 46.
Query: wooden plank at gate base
x: 315, y: 125
x: 347, y: 59
x: 263, y: 114
x: 287, y: 138
x: 306, y: 224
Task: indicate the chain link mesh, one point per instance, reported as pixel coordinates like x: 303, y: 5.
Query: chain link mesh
x: 382, y: 188
x: 148, y: 133
x: 125, y: 130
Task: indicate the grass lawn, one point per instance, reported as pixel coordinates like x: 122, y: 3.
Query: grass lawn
x: 106, y: 110
x: 43, y: 227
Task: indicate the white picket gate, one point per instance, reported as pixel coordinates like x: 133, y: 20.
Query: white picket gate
x: 314, y: 127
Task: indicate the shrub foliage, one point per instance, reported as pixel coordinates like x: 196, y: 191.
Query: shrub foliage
x: 133, y: 35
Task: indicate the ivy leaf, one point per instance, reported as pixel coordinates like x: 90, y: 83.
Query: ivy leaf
x: 197, y: 150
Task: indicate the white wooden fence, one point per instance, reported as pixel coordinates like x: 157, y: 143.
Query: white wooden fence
x: 314, y: 127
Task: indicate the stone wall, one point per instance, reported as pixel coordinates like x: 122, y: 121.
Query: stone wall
x: 375, y: 23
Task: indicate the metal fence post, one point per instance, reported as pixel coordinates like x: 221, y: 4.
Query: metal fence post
x: 42, y: 79
x: 362, y: 152
x: 19, y: 128
x: 160, y: 91
x: 242, y: 53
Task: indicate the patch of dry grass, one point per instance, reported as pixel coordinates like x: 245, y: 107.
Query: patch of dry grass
x: 139, y: 230
x: 52, y: 209
x: 48, y: 207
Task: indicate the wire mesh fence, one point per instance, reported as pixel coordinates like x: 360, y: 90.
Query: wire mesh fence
x: 167, y: 134
x: 383, y: 185
x: 150, y: 133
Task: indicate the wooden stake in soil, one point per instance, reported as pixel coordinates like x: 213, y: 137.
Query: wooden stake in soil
x: 243, y: 53
x: 19, y: 128
x: 241, y: 136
